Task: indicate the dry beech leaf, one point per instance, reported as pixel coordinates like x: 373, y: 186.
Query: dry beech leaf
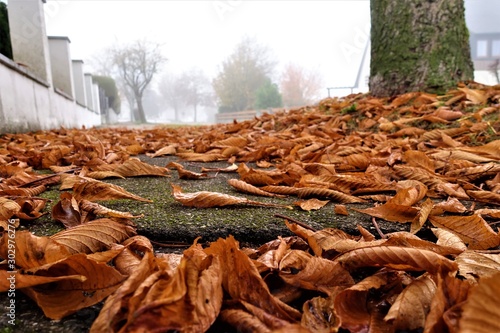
x: 300, y: 269
x: 167, y: 150
x: 242, y: 281
x: 311, y: 204
x: 112, y: 317
x: 244, y: 187
x: 327, y: 193
x: 449, y: 294
x: 392, y: 212
x: 412, y: 305
x: 196, y: 157
x: 206, y: 199
x: 446, y: 238
x: 259, y: 316
x: 409, y: 192
x: 278, y: 189
x: 8, y: 208
x: 67, y: 296
x: 98, y: 209
x: 485, y: 196
x: 26, y: 192
x: 422, y: 216
x: 128, y: 260
x: 340, y: 210
x: 319, y: 315
x: 134, y: 149
x: 186, y: 174
x: 29, y: 280
x: 451, y: 205
x: 472, y: 265
x: 352, y: 305
x: 408, y: 240
x: 104, y: 175
x: 66, y: 211
x: 187, y: 301
x: 264, y: 164
x: 473, y: 230
x: 243, y: 320
x: 476, y: 96
x: 490, y: 149
x: 231, y: 168
x: 272, y: 256
x: 32, y: 251
x: 329, y: 242
x: 31, y: 208
x: 135, y: 168
x: 480, y: 311
x: 94, y: 236
x: 399, y: 258
x: 233, y: 141
x: 99, y: 191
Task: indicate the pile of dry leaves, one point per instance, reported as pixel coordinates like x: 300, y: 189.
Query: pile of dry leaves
x: 421, y: 159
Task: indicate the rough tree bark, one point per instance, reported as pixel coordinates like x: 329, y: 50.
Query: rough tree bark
x: 418, y: 45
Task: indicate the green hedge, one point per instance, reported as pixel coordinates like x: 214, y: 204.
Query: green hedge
x: 5, y: 46
x: 109, y: 85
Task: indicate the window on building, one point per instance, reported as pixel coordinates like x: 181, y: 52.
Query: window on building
x: 495, y: 48
x: 482, y: 48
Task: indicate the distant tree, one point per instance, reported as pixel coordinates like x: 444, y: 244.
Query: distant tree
x: 418, y: 45
x: 136, y: 65
x: 241, y: 74
x: 152, y: 102
x: 298, y: 86
x: 495, y: 70
x: 111, y: 91
x: 268, y: 96
x: 196, y: 90
x: 170, y: 90
x: 5, y: 45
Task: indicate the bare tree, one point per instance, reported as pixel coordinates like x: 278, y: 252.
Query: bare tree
x: 191, y: 88
x: 299, y: 86
x: 196, y: 89
x: 171, y: 92
x: 136, y: 65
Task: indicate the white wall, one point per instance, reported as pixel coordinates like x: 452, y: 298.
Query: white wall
x: 29, y: 105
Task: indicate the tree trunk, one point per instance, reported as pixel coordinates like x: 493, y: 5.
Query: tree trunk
x: 140, y: 109
x: 418, y: 45
x: 495, y: 70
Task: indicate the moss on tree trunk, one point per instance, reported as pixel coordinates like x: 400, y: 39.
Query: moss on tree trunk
x: 418, y: 45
